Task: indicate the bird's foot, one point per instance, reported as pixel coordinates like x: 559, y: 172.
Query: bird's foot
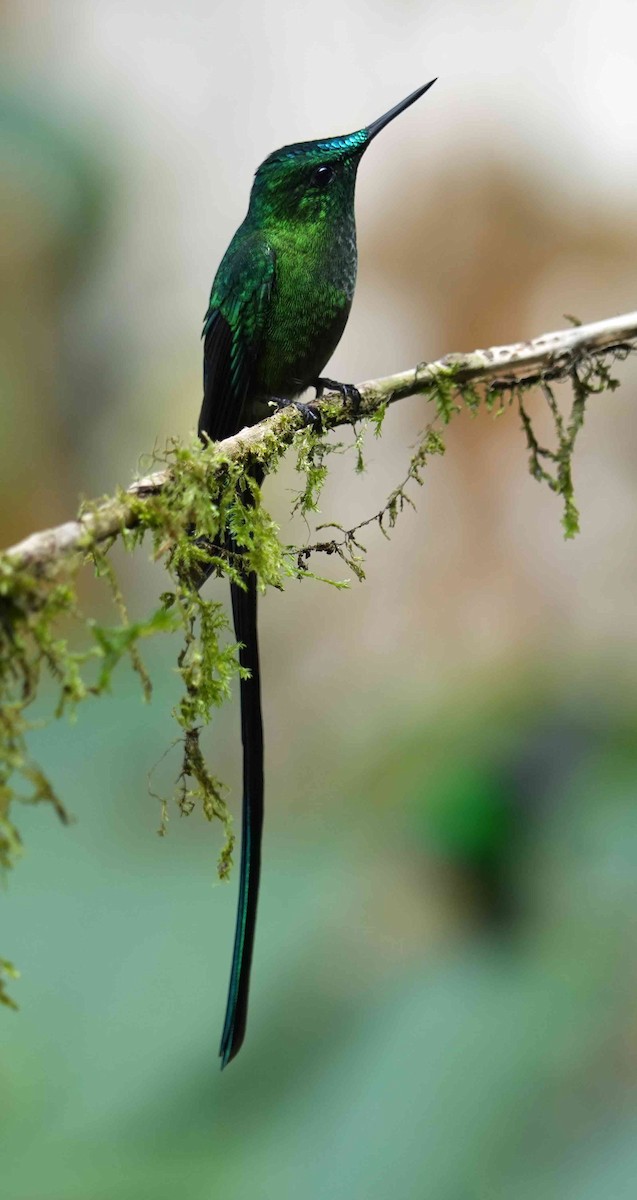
x: 310, y: 415
x: 346, y: 390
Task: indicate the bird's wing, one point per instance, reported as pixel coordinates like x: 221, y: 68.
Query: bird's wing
x: 233, y: 332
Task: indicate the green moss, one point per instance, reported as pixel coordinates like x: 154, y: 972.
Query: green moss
x: 185, y: 525
x: 554, y: 467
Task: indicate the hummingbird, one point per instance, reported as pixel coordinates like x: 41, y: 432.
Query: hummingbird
x: 278, y: 307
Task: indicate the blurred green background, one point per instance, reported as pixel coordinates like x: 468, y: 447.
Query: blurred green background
x: 444, y: 999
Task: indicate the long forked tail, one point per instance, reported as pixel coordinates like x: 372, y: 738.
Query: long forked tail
x: 244, y: 611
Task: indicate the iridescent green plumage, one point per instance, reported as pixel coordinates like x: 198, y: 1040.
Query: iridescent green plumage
x: 286, y: 283
x: 278, y: 307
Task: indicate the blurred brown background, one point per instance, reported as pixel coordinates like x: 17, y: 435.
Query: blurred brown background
x: 443, y: 1001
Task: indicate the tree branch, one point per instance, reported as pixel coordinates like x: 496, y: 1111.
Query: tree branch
x: 551, y: 356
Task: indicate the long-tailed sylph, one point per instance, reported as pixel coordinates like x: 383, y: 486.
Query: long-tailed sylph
x: 278, y: 307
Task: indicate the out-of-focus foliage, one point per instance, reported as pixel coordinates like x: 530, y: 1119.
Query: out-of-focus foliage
x: 443, y: 994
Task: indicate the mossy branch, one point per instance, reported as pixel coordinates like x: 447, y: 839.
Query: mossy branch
x: 544, y: 359
x: 187, y: 508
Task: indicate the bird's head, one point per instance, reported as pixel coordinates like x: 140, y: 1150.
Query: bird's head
x: 311, y: 180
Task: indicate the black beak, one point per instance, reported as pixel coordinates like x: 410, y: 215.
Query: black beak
x: 376, y: 126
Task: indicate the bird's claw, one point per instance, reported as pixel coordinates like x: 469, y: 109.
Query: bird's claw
x: 346, y: 390
x: 310, y: 415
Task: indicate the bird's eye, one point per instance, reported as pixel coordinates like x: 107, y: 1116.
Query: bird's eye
x: 322, y: 176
